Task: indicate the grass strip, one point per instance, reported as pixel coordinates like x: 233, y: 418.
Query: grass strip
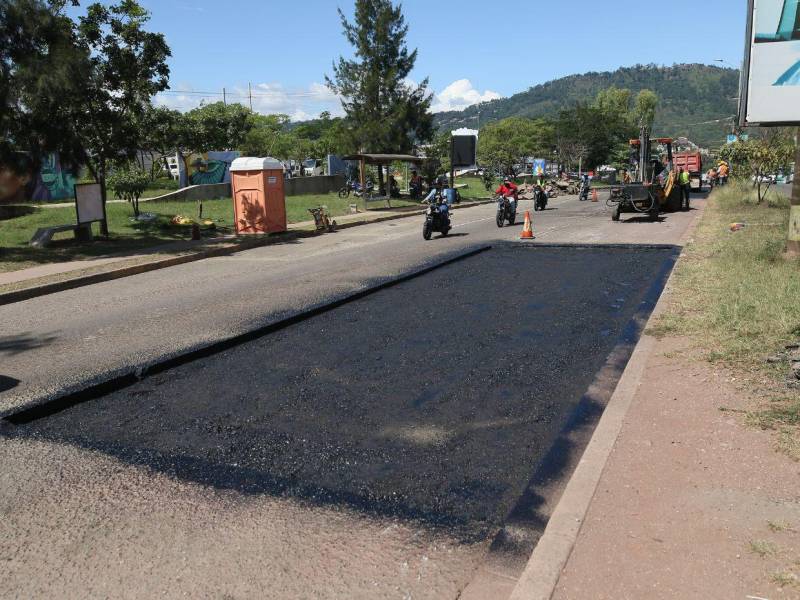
x: 736, y: 298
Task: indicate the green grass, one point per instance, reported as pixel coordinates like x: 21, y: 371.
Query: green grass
x: 763, y: 548
x: 735, y: 296
x: 132, y: 236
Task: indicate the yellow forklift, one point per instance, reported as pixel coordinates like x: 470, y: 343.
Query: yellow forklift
x: 653, y: 189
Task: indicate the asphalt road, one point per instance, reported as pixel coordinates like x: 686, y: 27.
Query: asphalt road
x: 65, y: 340
x: 373, y: 451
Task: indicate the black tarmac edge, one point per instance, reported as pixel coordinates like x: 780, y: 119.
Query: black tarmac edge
x: 121, y: 379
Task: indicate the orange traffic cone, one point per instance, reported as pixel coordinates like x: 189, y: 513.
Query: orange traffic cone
x: 594, y: 196
x: 527, y: 231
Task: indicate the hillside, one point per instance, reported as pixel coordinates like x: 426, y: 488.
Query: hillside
x: 690, y: 96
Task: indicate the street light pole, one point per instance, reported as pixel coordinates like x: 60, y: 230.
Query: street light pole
x: 793, y: 244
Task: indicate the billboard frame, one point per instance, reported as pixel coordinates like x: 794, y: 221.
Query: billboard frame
x: 744, y: 77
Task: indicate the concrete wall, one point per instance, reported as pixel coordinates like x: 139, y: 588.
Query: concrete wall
x: 294, y: 187
x: 314, y: 185
x: 197, y: 192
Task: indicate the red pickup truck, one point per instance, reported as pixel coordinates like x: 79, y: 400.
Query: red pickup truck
x: 693, y: 163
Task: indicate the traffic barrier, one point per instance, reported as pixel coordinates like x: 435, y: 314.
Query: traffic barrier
x: 527, y: 231
x: 594, y: 196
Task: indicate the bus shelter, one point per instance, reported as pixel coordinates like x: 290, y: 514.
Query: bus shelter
x: 381, y: 161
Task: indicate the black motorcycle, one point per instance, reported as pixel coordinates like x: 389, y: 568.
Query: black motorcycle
x: 437, y: 218
x: 506, y: 211
x: 539, y: 198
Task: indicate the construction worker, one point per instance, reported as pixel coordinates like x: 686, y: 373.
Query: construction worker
x: 686, y: 187
x: 722, y: 173
x: 712, y: 178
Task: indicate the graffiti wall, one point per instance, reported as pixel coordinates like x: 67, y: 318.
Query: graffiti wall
x: 204, y: 169
x: 51, y: 183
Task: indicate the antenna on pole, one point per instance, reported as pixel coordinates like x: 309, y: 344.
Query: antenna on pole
x: 250, y: 94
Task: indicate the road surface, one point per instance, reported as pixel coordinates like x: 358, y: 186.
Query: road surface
x: 377, y: 450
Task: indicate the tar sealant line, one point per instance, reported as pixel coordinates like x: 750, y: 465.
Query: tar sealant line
x: 523, y: 520
x: 51, y: 406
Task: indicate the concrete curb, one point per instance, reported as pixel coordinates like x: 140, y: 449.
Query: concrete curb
x: 127, y: 271
x: 543, y: 571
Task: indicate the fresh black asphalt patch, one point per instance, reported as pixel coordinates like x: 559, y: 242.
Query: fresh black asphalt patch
x: 435, y: 399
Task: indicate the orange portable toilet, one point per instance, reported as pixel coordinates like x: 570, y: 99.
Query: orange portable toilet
x: 259, y: 201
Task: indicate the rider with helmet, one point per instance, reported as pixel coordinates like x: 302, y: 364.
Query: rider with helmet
x: 509, y: 190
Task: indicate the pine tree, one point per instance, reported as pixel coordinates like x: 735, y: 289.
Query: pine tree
x: 385, y: 114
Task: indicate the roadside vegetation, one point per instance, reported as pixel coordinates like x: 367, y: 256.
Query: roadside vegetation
x: 735, y: 297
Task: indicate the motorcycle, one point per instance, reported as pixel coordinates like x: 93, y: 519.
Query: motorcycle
x: 437, y: 217
x: 354, y: 187
x: 506, y: 210
x: 539, y: 198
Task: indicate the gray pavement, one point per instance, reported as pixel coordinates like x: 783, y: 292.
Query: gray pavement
x: 177, y: 487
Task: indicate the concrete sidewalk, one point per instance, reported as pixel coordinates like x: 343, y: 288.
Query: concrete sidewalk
x: 693, y: 502
x: 56, y: 272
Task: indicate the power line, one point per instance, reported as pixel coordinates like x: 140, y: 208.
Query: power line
x: 248, y: 95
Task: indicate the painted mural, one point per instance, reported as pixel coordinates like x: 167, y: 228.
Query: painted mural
x: 208, y: 168
x: 51, y: 183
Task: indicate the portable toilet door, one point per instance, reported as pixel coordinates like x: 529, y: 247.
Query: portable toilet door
x: 259, y: 201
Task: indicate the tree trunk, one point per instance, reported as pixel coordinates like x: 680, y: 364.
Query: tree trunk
x: 101, y: 176
x: 135, y: 202
x: 381, y: 188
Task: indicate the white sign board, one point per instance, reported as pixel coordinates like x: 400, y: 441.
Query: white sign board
x: 89, y: 203
x: 770, y: 93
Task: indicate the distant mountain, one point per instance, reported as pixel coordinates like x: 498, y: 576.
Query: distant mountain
x: 691, y: 97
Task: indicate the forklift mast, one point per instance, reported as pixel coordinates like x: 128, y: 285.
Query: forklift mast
x: 644, y: 171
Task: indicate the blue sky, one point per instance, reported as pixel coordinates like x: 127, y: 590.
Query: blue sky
x: 471, y: 50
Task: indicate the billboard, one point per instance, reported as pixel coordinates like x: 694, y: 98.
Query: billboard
x: 770, y: 93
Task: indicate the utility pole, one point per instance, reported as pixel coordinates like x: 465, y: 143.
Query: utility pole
x: 250, y: 94
x: 793, y: 245
x: 224, y: 97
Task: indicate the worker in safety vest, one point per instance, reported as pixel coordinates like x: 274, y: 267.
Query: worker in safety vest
x: 723, y: 173
x: 686, y: 187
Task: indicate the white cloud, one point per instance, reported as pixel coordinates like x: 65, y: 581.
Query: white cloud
x: 268, y: 98
x: 459, y: 95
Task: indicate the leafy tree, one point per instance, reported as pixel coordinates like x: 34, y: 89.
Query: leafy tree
x: 41, y: 72
x: 384, y: 112
x: 509, y: 142
x: 267, y: 137
x: 220, y: 126
x: 129, y: 182
x: 127, y: 67
x: 160, y: 129
x: 761, y: 156
x: 645, y: 109
x: 585, y: 136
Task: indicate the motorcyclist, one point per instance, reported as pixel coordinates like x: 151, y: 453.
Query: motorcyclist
x: 436, y: 193
x: 509, y: 190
